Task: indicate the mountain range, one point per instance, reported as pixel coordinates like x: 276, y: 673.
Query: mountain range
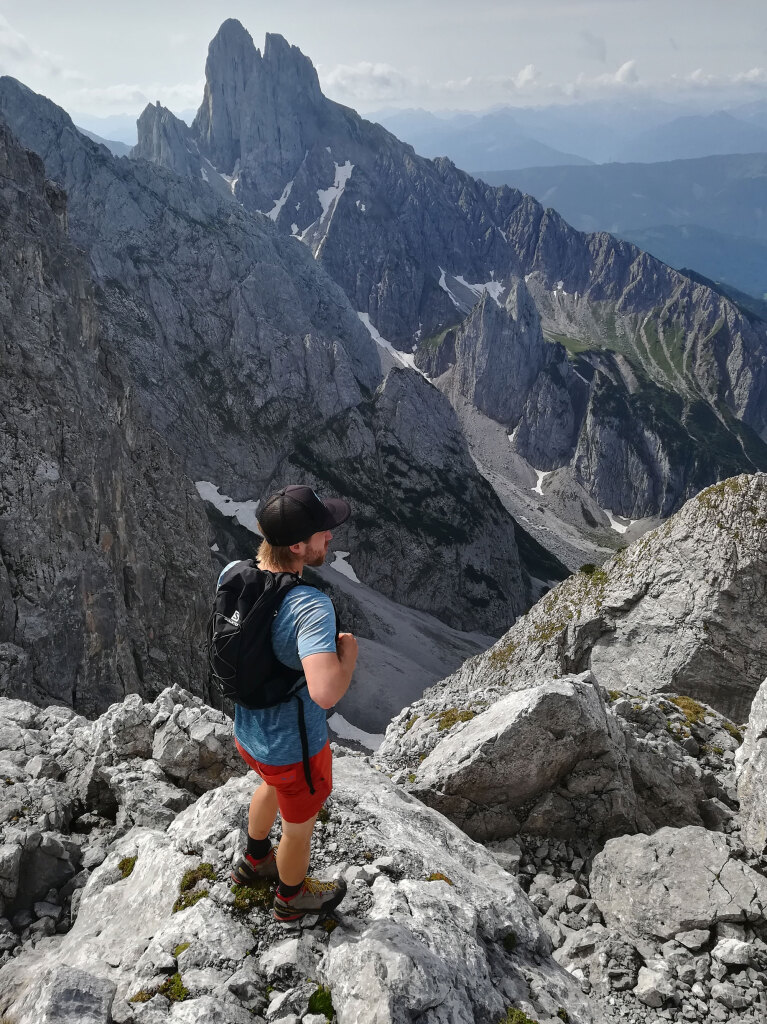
x: 706, y: 213
x: 287, y: 290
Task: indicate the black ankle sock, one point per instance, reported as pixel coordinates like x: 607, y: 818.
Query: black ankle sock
x: 258, y: 848
x: 286, y: 891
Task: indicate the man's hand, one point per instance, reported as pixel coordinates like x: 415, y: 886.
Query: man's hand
x: 328, y: 675
x: 347, y: 650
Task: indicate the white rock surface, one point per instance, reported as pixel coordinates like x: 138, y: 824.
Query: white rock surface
x: 751, y: 769
x: 676, y: 880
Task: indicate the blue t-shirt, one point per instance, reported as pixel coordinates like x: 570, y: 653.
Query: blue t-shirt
x: 305, y: 624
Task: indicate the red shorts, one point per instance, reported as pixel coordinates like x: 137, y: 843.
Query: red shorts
x: 295, y: 801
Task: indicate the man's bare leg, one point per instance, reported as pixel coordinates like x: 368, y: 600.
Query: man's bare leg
x: 263, y: 811
x: 294, y: 851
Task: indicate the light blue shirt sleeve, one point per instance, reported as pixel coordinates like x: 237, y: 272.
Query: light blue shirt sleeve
x: 305, y: 624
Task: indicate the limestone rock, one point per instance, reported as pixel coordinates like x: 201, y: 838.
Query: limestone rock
x: 675, y: 880
x: 399, y: 946
x: 681, y: 611
x: 751, y: 768
x: 548, y: 760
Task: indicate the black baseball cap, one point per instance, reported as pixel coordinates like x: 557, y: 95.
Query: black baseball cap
x: 295, y: 513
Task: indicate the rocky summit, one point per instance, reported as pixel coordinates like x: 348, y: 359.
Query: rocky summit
x: 528, y: 844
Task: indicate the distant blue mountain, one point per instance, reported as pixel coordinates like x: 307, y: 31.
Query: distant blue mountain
x: 685, y: 138
x: 495, y: 140
x: 709, y: 214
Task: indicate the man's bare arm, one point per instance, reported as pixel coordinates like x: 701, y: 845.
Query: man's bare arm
x: 328, y: 675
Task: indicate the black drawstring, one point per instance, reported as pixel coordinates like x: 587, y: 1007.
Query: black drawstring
x: 304, y: 744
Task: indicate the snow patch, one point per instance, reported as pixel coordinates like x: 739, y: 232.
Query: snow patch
x: 294, y: 230
x: 615, y: 524
x: 329, y: 196
x: 360, y: 205
x: 541, y: 474
x: 346, y: 731
x: 243, y: 511
x: 402, y: 357
x: 493, y: 288
x: 204, y: 174
x: 274, y: 213
x: 341, y: 565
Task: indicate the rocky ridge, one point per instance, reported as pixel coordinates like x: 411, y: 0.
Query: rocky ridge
x: 681, y: 610
x: 137, y: 902
x: 670, y: 367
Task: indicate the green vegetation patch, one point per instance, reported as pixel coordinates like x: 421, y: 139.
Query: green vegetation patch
x: 452, y: 716
x: 203, y: 872
x: 180, y: 948
x: 172, y: 988
x: 188, y: 899
x: 502, y: 652
x: 126, y: 866
x: 595, y: 573
x: 247, y: 897
x: 437, y: 876
x: 320, y: 1001
x: 563, y: 1014
x: 516, y: 1016
x: 510, y: 942
x: 691, y: 709
x: 614, y: 694
x: 411, y: 722
x: 734, y: 731
x: 323, y: 815
x: 187, y: 894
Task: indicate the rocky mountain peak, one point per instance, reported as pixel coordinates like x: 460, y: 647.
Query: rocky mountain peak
x: 232, y: 61
x: 166, y: 139
x: 286, y: 65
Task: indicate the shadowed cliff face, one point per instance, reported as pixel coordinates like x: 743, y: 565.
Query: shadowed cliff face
x: 103, y: 540
x: 680, y: 388
x: 242, y: 352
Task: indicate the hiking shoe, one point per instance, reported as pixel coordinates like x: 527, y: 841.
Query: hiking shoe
x: 249, y: 872
x: 314, y: 897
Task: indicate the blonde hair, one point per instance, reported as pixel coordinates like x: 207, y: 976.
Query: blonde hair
x: 276, y: 557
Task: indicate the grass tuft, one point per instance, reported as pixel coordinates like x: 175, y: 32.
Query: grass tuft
x: 452, y: 716
x: 691, y: 709
x: 247, y: 897
x: 320, y: 1001
x: 126, y: 866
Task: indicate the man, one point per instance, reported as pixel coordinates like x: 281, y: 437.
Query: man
x: 296, y: 525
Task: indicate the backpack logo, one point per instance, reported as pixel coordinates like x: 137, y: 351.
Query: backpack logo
x: 235, y: 619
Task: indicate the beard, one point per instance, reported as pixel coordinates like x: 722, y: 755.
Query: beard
x: 315, y: 556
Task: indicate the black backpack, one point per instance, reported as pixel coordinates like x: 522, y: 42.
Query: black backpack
x: 241, y: 660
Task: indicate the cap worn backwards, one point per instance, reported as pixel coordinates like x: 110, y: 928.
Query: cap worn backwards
x: 296, y: 512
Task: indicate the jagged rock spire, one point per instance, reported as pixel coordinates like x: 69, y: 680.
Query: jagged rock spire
x: 232, y: 61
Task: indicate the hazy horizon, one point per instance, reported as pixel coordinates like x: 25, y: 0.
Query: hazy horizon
x: 700, y: 53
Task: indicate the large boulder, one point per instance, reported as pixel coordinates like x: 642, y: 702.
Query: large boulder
x: 674, y: 881
x: 683, y: 610
x: 546, y: 760
x: 751, y: 767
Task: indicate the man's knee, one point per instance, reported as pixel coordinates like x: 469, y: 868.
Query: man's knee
x: 299, y: 831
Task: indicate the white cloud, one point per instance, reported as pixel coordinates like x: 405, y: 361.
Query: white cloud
x: 130, y: 98
x: 366, y: 81
x: 21, y: 59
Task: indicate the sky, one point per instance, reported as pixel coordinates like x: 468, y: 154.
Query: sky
x: 105, y: 59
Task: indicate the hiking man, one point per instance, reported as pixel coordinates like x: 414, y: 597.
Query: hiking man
x: 290, y: 750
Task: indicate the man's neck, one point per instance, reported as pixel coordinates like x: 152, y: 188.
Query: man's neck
x: 298, y: 568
